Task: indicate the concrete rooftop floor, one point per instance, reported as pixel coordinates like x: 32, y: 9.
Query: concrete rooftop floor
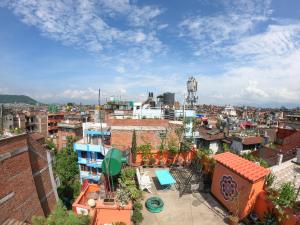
x: 190, y: 209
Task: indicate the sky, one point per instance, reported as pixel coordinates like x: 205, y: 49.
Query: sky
x: 242, y: 52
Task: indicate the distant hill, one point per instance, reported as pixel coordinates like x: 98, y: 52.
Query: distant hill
x: 17, y: 99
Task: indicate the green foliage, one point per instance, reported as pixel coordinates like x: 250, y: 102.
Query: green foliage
x: 186, y: 144
x: 270, y: 178
x: 137, y: 217
x: 252, y: 158
x: 226, y: 147
x: 285, y: 199
x: 50, y: 145
x: 134, y: 146
x: 173, y: 146
x: 122, y: 196
x: 60, y: 216
x: 137, y: 206
x: 203, y: 152
x: 127, y: 182
x: 66, y: 168
x: 287, y: 195
x: 145, y: 149
x: 128, y: 173
x: 269, y: 219
x: 152, y: 160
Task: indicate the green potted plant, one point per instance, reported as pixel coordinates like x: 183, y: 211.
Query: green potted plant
x: 145, y: 149
x: 270, y: 178
x: 152, y: 161
x: 173, y: 150
x: 285, y: 198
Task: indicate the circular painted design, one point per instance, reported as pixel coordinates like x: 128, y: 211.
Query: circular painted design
x: 228, y: 188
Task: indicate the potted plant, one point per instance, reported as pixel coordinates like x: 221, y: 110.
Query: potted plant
x: 284, y: 199
x: 270, y: 178
x: 152, y: 160
x: 173, y: 150
x: 162, y: 163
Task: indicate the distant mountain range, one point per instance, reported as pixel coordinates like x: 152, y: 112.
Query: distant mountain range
x: 17, y: 99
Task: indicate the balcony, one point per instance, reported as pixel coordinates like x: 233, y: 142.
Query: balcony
x: 91, y: 148
x: 90, y: 176
x: 82, y: 160
x: 94, y: 163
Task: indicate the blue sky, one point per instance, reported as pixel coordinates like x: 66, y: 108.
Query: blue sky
x: 240, y: 51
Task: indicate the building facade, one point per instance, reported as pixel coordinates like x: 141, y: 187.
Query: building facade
x: 91, y: 150
x: 68, y: 129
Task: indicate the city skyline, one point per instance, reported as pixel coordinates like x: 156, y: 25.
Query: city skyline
x: 241, y: 52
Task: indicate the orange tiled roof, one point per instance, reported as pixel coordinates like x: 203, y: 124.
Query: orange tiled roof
x: 241, y: 166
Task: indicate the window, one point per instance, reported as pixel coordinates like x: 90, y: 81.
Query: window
x: 94, y: 171
x: 83, y: 167
x: 83, y: 154
x: 99, y: 155
x: 64, y: 138
x: 138, y: 107
x: 64, y: 145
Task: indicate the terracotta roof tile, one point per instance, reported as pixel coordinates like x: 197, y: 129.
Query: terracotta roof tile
x: 241, y: 166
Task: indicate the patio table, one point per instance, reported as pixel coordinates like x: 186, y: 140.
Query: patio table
x: 165, y: 178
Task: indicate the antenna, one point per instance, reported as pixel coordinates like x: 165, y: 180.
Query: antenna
x: 192, y: 86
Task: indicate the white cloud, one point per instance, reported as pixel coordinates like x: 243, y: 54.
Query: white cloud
x: 259, y: 84
x: 277, y: 40
x: 84, y: 24
x: 85, y: 94
x: 238, y: 18
x: 120, y: 69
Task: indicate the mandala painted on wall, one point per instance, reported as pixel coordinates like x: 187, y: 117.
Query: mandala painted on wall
x: 228, y: 188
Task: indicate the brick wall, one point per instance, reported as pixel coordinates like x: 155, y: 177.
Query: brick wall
x: 26, y: 188
x: 61, y: 141
x: 41, y: 174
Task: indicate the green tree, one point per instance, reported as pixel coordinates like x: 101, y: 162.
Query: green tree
x: 61, y: 216
x: 133, y: 146
x: 50, y: 145
x: 66, y: 168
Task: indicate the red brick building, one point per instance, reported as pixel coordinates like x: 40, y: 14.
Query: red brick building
x: 53, y: 120
x: 27, y: 184
x: 147, y: 131
x: 68, y: 129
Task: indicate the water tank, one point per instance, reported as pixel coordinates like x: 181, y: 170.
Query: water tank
x: 169, y: 98
x: 112, y: 163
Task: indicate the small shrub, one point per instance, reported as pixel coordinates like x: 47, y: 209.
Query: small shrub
x: 269, y: 219
x: 136, y: 217
x: 152, y: 160
x: 137, y: 206
x: 270, y: 178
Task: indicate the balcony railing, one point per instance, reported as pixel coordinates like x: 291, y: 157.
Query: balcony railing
x: 91, y: 148
x: 89, y: 175
x: 94, y: 163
